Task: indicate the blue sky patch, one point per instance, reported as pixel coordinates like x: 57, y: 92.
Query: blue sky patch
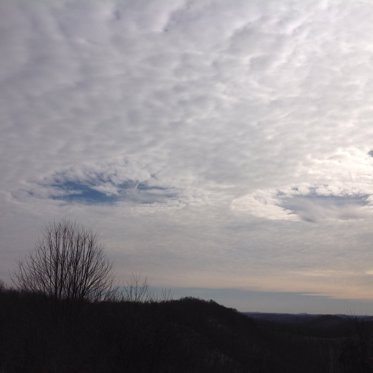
x: 101, y: 190
x: 75, y: 191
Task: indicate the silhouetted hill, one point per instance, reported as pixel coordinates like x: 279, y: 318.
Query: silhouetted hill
x: 187, y: 335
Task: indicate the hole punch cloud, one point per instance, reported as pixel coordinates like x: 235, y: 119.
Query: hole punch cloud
x: 312, y: 203
x: 339, y: 187
x: 94, y: 187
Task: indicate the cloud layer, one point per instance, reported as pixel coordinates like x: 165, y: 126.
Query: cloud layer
x: 211, y: 143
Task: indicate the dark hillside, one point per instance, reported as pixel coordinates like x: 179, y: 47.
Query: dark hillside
x: 187, y: 335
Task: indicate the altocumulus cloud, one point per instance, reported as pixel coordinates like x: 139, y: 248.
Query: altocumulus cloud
x: 234, y: 136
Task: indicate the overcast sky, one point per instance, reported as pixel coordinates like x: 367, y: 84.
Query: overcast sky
x: 212, y: 144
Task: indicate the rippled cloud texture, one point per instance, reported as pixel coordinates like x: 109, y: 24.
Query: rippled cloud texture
x: 212, y: 144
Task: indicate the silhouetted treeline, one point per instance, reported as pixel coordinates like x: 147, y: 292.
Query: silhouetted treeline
x: 38, y: 334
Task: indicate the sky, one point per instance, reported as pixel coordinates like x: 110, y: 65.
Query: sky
x: 221, y: 149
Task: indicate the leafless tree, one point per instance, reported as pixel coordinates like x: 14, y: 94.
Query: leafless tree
x: 166, y: 295
x: 136, y: 290
x: 68, y: 263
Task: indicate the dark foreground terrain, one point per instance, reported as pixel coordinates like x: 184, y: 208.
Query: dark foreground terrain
x: 187, y: 335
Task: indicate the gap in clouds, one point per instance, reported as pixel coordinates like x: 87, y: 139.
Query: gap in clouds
x: 337, y: 187
x: 100, y: 188
x: 313, y: 203
x: 313, y: 206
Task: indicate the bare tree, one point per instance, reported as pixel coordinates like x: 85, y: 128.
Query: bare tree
x: 166, y: 295
x: 136, y: 290
x: 68, y: 263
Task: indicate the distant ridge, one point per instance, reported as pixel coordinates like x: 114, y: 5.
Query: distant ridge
x: 295, y: 318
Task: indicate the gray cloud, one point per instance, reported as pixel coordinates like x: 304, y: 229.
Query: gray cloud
x: 213, y: 113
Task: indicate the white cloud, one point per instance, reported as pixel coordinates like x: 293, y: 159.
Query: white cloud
x: 263, y: 204
x: 338, y: 187
x: 232, y: 104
